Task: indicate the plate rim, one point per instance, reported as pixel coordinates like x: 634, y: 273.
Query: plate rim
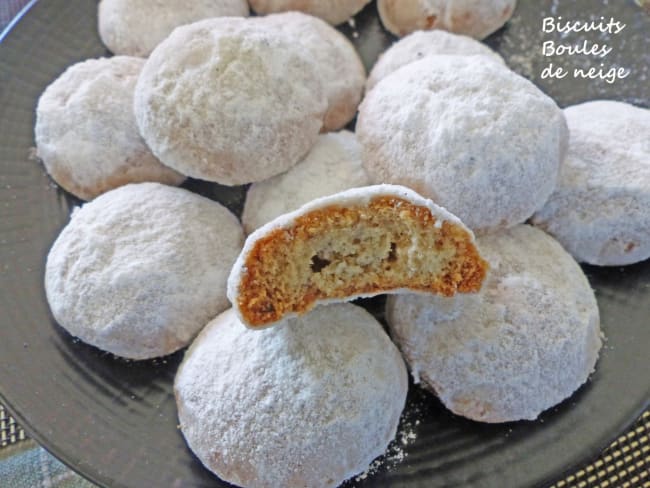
x: 17, y: 18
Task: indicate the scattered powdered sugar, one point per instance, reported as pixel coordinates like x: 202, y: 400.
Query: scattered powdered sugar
x: 521, y: 50
x: 353, y: 25
x: 397, y: 451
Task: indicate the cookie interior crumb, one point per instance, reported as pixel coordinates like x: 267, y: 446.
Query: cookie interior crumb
x: 336, y: 252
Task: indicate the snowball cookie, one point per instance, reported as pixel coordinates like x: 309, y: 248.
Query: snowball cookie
x: 426, y: 43
x: 524, y: 344
x: 309, y: 403
x: 229, y: 100
x: 333, y: 165
x: 475, y: 137
x: 600, y: 210
x: 86, y: 133
x: 136, y: 27
x: 336, y: 61
x: 332, y: 11
x: 141, y: 269
x: 474, y: 18
x: 357, y: 243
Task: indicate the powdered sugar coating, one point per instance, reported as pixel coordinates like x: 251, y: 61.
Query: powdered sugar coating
x: 472, y: 136
x: 308, y: 403
x: 352, y: 197
x: 600, y: 210
x: 86, y: 133
x: 136, y: 27
x: 526, y: 342
x: 229, y: 100
x: 474, y: 18
x: 336, y: 61
x: 332, y: 165
x: 421, y: 44
x: 141, y: 269
x: 332, y: 11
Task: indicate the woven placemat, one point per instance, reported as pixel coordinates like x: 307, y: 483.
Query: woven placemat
x: 624, y: 464
x: 10, y: 431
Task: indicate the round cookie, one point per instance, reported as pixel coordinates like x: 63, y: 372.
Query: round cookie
x: 475, y: 137
x: 136, y: 27
x: 309, y: 403
x: 421, y: 44
x: 600, y: 209
x: 336, y: 62
x: 229, y: 100
x: 474, y: 18
x: 525, y: 343
x: 86, y: 133
x: 357, y: 243
x: 333, y: 165
x: 141, y: 269
x: 332, y: 11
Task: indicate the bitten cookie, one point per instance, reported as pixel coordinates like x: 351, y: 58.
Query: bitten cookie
x: 360, y: 242
x: 229, y: 100
x: 475, y: 137
x: 421, y: 44
x: 136, y: 27
x: 333, y: 165
x: 86, y: 133
x: 332, y: 11
x: 309, y: 403
x: 474, y: 18
x: 526, y: 342
x: 141, y: 269
x: 335, y: 60
x: 600, y: 210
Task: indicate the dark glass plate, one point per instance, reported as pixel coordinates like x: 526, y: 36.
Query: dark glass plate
x: 115, y: 422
